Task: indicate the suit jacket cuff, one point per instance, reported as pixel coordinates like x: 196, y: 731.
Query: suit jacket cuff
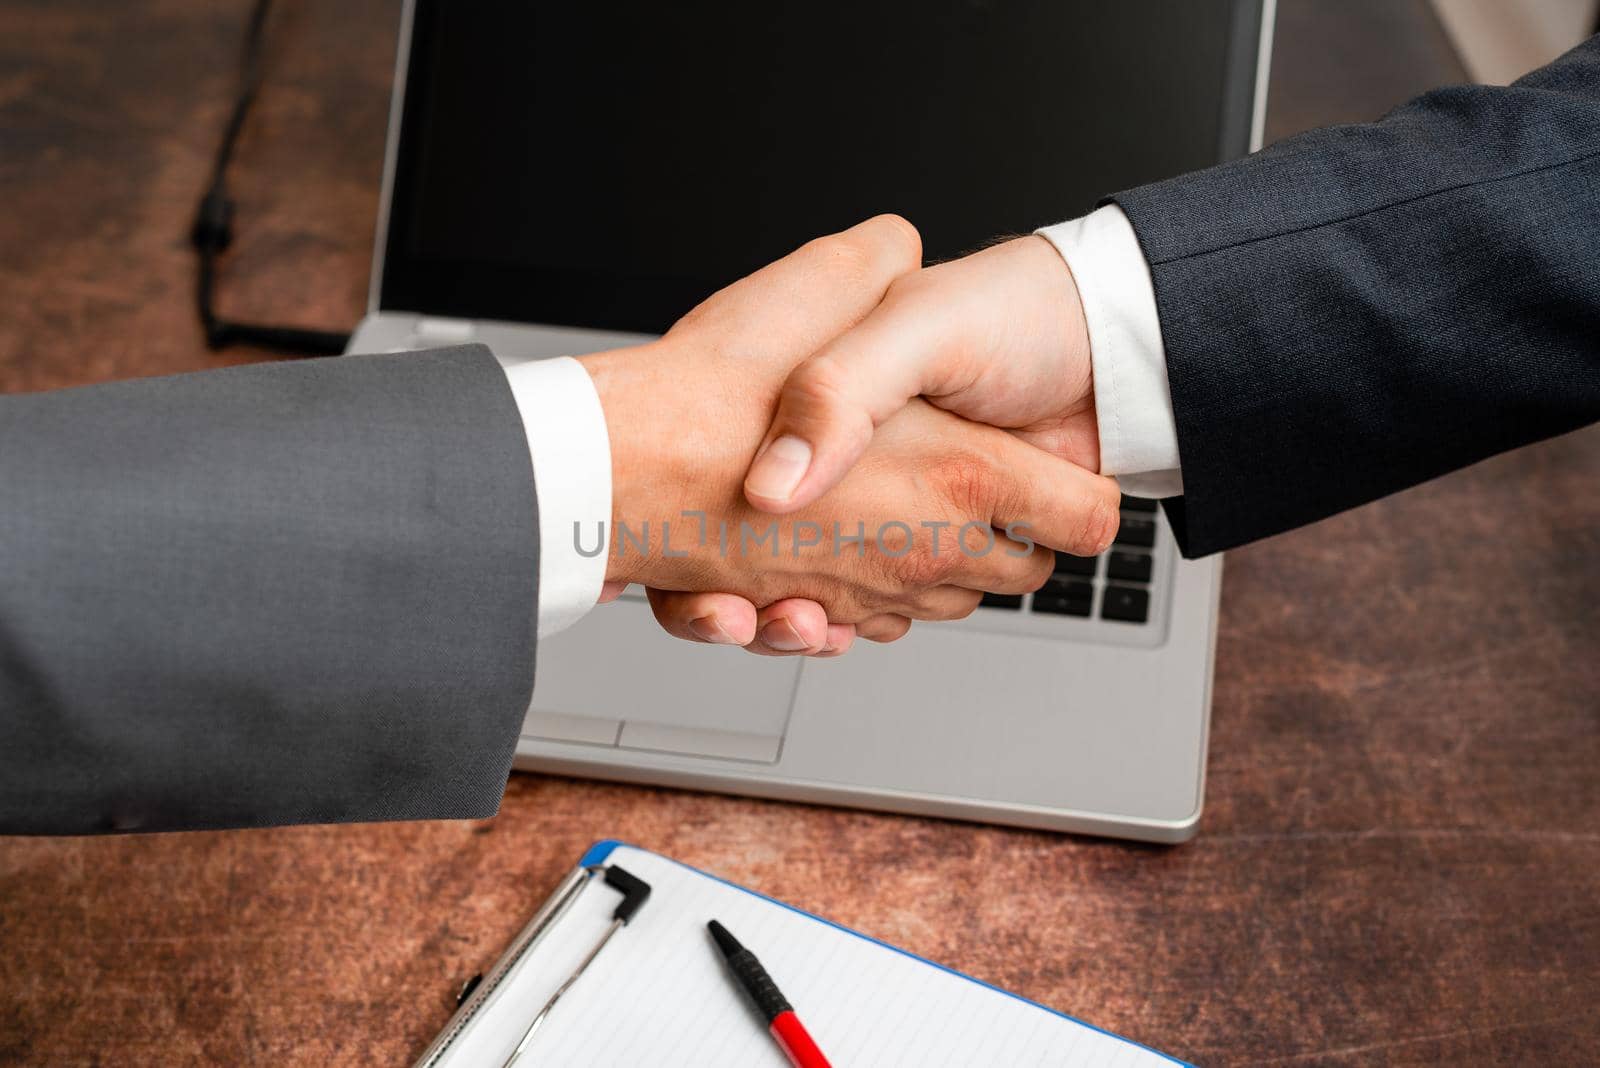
x: 571, y: 454
x: 1138, y: 434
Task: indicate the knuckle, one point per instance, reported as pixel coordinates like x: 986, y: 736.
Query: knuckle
x: 885, y: 628
x: 1100, y: 520
x: 823, y: 383
x: 821, y: 398
x: 960, y: 606
x: 1024, y: 574
x: 924, y: 569
x: 915, y: 605
x: 1043, y: 565
x: 934, y: 558
x: 946, y: 605
x: 850, y: 254
x: 884, y: 591
x: 968, y: 482
x: 851, y: 609
x: 905, y: 241
x: 846, y: 600
x: 866, y: 251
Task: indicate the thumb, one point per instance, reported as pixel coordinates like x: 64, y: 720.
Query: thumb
x: 832, y: 403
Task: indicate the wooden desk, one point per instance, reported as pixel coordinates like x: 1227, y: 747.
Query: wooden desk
x: 1400, y: 861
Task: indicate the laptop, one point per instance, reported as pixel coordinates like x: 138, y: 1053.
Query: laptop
x: 562, y: 178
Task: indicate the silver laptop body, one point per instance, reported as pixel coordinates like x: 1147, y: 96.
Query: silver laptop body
x: 1017, y: 715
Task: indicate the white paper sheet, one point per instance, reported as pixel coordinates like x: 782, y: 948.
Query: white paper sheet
x: 659, y: 993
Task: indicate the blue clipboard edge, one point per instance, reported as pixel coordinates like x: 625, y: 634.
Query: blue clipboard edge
x: 601, y: 850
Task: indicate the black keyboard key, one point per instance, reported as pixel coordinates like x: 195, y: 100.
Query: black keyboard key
x: 1125, y: 604
x: 1137, y: 504
x: 1129, y: 567
x: 1138, y: 532
x: 1001, y: 600
x: 1065, y: 586
x: 1067, y: 564
x: 1064, y: 597
x: 1061, y: 606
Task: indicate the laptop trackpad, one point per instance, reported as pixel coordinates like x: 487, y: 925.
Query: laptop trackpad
x: 617, y: 671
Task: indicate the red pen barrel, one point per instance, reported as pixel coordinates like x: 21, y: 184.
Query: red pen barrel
x: 792, y: 1036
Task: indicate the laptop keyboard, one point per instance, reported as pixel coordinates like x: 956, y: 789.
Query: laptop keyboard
x: 1115, y: 587
x: 1119, y: 598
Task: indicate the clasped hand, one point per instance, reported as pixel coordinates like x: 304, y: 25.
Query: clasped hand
x: 843, y: 442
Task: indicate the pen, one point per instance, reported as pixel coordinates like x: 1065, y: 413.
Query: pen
x: 784, y: 1025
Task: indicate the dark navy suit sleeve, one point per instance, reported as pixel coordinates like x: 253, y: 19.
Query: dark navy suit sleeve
x: 1361, y: 308
x: 284, y: 593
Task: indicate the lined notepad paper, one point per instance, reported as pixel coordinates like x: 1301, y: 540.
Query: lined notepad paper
x: 658, y: 993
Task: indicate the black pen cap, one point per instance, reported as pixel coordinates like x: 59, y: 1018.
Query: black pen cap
x: 769, y: 1001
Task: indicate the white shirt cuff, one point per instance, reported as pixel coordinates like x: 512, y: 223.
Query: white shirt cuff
x: 571, y: 453
x: 1133, y: 406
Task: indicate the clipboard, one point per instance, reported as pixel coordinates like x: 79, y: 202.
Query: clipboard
x: 655, y: 992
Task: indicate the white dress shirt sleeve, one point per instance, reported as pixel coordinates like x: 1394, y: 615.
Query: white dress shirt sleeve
x: 571, y: 453
x: 1132, y: 403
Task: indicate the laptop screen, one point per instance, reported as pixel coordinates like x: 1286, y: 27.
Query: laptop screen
x: 609, y: 165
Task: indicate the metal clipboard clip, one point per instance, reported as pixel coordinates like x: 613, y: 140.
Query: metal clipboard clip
x: 475, y: 996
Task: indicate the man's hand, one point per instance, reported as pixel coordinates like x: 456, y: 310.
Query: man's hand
x: 997, y: 336
x: 686, y: 412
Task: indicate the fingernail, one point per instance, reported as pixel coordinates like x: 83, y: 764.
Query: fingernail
x: 708, y: 629
x: 778, y: 470
x: 781, y: 635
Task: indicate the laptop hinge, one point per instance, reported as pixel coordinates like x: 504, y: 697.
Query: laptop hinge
x: 446, y: 331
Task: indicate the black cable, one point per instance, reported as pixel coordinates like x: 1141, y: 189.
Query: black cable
x: 213, y: 227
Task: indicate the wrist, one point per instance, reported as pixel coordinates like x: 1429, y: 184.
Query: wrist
x: 613, y: 373
x: 1050, y: 286
x: 661, y: 462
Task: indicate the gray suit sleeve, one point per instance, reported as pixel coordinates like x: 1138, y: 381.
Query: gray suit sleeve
x: 283, y: 593
x: 1361, y: 308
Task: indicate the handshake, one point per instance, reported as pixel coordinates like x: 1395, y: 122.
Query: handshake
x: 845, y: 442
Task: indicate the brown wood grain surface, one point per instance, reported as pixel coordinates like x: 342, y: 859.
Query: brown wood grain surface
x: 1399, y: 862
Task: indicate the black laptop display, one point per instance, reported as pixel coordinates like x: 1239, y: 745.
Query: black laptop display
x: 610, y: 164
